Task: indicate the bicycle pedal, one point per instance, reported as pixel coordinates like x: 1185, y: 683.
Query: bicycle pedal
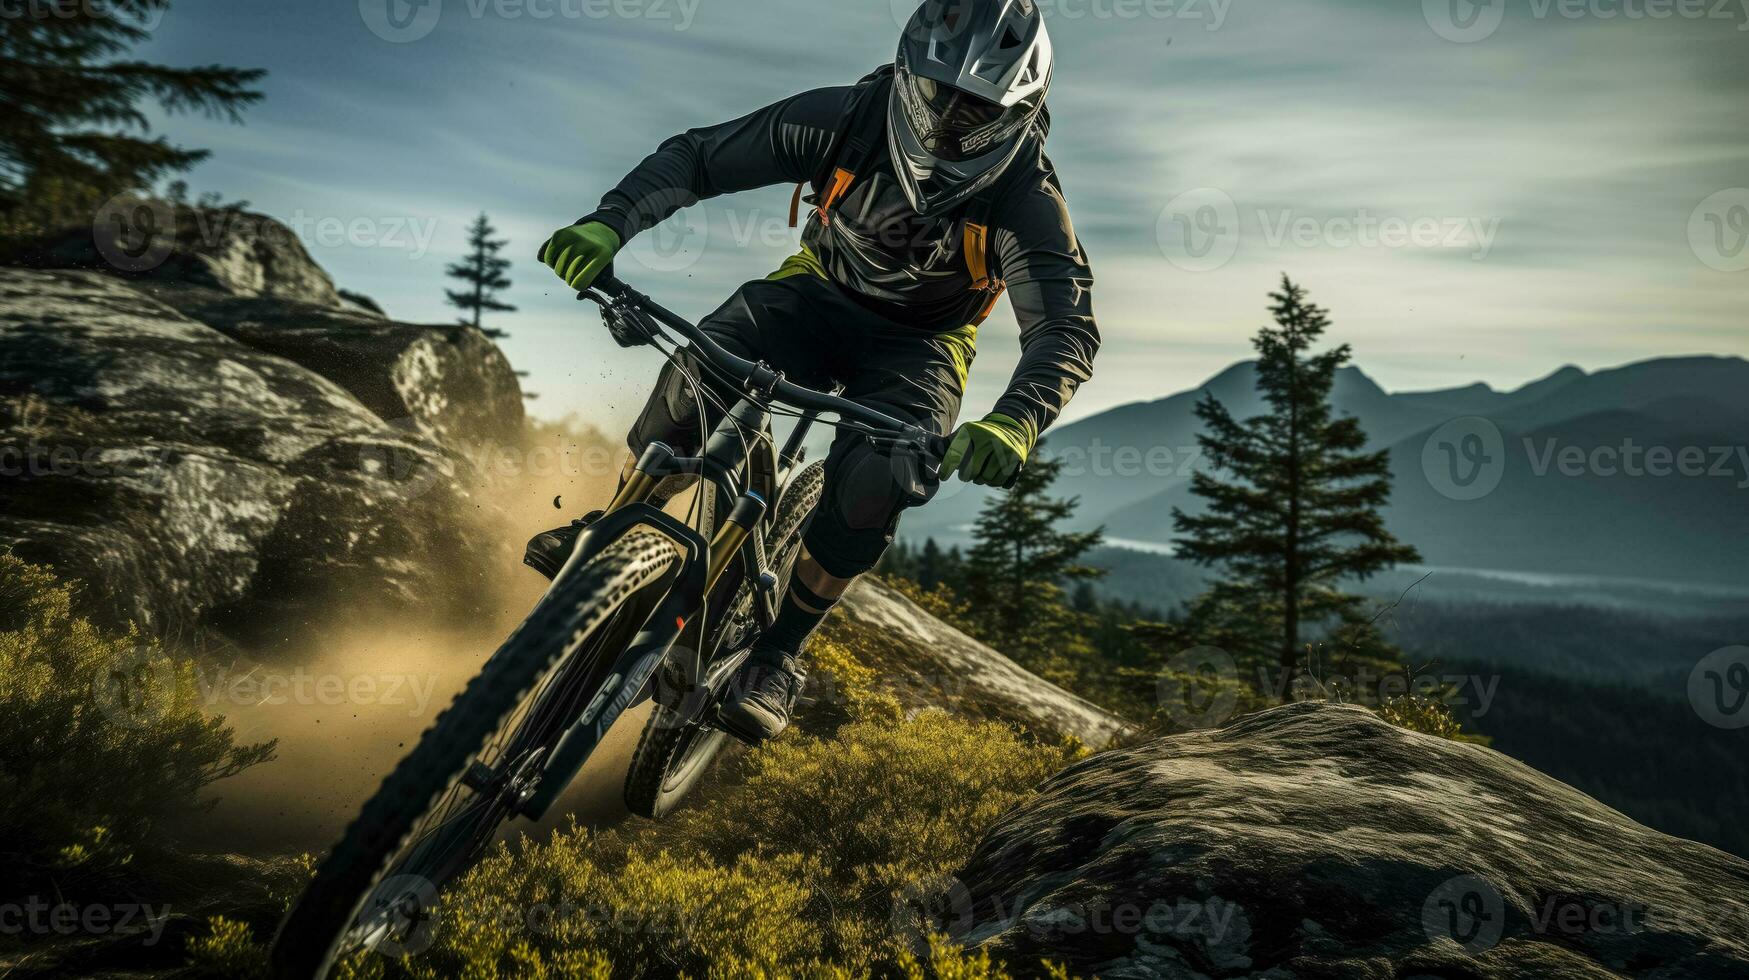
x: 715, y: 720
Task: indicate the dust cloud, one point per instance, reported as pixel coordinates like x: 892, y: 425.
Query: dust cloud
x: 348, y: 700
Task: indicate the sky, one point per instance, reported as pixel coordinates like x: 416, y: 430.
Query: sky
x: 1475, y: 191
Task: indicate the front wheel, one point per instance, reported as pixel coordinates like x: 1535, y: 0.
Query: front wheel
x: 678, y: 745
x: 473, y: 768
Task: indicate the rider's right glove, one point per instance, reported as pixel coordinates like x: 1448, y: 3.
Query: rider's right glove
x: 988, y: 452
x: 578, y: 253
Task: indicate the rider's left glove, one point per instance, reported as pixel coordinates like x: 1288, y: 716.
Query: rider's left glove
x: 989, y: 452
x: 578, y: 253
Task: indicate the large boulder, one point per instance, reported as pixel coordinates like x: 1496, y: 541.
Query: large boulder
x: 193, y: 481
x: 1315, y: 840
x: 448, y: 381
x: 228, y: 249
x: 929, y: 664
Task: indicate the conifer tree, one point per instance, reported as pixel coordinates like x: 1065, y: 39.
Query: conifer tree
x: 1293, y: 500
x: 482, y: 274
x: 1017, y: 568
x: 72, y: 130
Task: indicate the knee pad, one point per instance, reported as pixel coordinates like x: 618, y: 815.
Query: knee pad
x: 866, y: 490
x: 671, y: 413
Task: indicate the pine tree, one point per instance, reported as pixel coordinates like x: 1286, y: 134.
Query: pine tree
x: 928, y: 566
x: 1017, y: 567
x: 68, y: 104
x: 1296, y: 506
x: 483, y: 272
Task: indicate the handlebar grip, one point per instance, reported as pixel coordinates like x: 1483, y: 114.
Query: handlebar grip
x: 606, y: 284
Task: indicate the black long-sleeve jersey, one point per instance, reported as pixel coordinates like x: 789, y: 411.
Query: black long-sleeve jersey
x: 880, y: 251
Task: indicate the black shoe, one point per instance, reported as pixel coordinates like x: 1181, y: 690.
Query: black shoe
x: 547, y: 551
x: 762, y: 695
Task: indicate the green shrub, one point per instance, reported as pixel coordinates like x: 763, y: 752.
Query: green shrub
x: 1429, y: 716
x: 105, y: 738
x: 228, y: 950
x: 794, y: 871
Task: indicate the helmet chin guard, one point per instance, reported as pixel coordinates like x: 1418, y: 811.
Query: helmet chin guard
x: 969, y: 81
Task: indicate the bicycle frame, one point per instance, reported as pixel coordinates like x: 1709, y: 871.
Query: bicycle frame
x: 683, y: 610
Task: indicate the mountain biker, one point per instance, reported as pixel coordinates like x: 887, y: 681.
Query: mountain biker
x: 932, y: 194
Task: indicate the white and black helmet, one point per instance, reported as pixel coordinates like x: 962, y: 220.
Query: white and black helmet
x: 968, y: 84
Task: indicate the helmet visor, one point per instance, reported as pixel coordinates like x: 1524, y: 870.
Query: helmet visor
x: 952, y: 124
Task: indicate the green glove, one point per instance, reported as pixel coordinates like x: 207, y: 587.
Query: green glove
x: 578, y: 253
x: 988, y: 452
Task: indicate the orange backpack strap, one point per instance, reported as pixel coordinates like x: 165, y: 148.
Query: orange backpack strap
x: 976, y: 261
x: 835, y: 190
x: 977, y: 246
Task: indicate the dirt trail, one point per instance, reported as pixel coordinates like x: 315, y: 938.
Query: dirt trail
x: 349, y: 700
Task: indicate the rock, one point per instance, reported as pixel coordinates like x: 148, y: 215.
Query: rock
x: 931, y: 664
x: 360, y: 303
x: 1315, y: 840
x: 192, y: 481
x: 448, y: 382
x: 230, y: 250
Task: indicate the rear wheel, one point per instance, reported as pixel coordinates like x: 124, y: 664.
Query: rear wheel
x: 473, y: 768
x: 678, y: 746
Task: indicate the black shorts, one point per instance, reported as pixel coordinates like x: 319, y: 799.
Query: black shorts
x: 810, y: 330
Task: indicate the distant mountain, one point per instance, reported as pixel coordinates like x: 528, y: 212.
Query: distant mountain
x: 1554, y: 508
x: 1482, y: 399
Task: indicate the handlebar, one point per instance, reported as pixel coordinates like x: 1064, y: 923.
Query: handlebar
x: 759, y: 378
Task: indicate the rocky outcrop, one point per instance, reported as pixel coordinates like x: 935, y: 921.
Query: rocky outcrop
x: 227, y: 249
x: 1315, y: 840
x: 448, y: 382
x: 250, y: 278
x: 928, y: 663
x: 191, y: 480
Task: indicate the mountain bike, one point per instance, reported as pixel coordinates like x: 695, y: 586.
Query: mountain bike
x: 647, y: 604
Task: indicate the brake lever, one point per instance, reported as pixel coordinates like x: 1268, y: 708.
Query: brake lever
x: 624, y: 323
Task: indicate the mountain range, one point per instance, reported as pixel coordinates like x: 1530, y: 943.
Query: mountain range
x: 1636, y: 471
